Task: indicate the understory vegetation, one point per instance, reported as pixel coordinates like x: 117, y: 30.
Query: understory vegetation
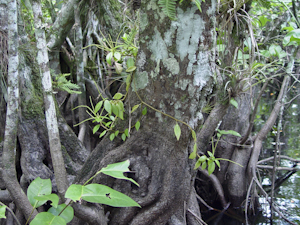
x: 145, y: 112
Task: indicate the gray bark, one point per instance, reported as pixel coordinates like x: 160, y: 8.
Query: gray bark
x: 51, y: 119
x: 12, y: 115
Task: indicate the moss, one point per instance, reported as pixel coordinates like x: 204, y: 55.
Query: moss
x: 33, y: 107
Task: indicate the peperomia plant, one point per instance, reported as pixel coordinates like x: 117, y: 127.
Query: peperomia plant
x: 40, y: 191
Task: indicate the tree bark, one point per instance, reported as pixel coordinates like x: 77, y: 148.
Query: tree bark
x: 12, y: 116
x: 50, y: 111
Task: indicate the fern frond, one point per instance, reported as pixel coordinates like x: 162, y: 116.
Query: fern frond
x: 66, y: 85
x: 168, y: 7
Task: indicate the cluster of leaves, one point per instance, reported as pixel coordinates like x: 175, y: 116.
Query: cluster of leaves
x: 40, y: 191
x: 211, y: 161
x: 63, y: 84
x: 169, y: 7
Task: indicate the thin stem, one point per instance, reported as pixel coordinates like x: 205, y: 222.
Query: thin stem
x: 12, y: 213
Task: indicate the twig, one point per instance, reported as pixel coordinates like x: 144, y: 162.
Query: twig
x: 197, y: 217
x: 279, y: 156
x: 11, y: 212
x: 278, y: 168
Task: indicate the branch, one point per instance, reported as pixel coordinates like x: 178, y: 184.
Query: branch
x: 278, y: 168
x: 62, y: 25
x: 267, y: 127
x: 279, y: 156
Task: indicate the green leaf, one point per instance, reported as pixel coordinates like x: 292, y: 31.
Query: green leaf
x: 137, y: 125
x: 67, y: 214
x: 135, y: 108
x: 144, y: 112
x: 194, y: 135
x: 128, y: 79
x: 126, y: 132
x: 118, y: 96
x: 98, y: 193
x: 203, y: 158
x: 229, y: 132
x: 46, y: 218
x: 203, y: 166
x: 168, y: 7
x: 234, y: 102
x: 96, y: 128
x: 74, y: 192
x: 112, y: 136
x: 117, y: 56
x: 116, y: 133
x: 98, y: 106
x: 116, y: 170
x: 218, y: 163
x: 130, y: 63
x: 197, y: 164
x: 123, y: 137
x: 38, y: 187
x: 102, y: 134
x: 192, y: 155
x: 115, y: 109
x: 120, y: 106
x: 109, y: 57
x: 210, y: 154
x: 52, y: 197
x: 131, y: 69
x: 177, y: 131
x: 107, y: 106
x: 2, y: 211
x: 211, y: 168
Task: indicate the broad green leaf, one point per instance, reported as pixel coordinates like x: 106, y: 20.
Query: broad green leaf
x: 203, y: 158
x: 229, y: 132
x: 177, y: 131
x: 195, y: 147
x: 192, y: 155
x: 2, y: 211
x: 197, y: 164
x: 46, y: 218
x: 118, y: 96
x: 98, y: 193
x: 137, y: 125
x: 135, y: 108
x: 194, y: 135
x: 234, y: 102
x: 38, y: 187
x: 263, y: 20
x: 74, y: 192
x: 98, y: 106
x: 116, y: 133
x: 115, y: 109
x: 96, y: 128
x: 109, y: 57
x: 126, y: 132
x: 120, y: 106
x: 102, y: 134
x: 117, y: 56
x: 130, y: 62
x: 52, y: 197
x: 112, y: 136
x: 211, y: 168
x: 293, y: 35
x: 116, y: 170
x: 67, y: 214
x: 210, y: 154
x: 107, y: 106
x: 131, y: 69
x: 144, y: 112
x: 123, y: 137
x: 118, y: 68
x: 203, y: 166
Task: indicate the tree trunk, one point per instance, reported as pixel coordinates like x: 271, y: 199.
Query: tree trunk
x: 174, y: 75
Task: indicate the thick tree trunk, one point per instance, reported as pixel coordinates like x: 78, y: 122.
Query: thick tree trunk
x: 174, y: 75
